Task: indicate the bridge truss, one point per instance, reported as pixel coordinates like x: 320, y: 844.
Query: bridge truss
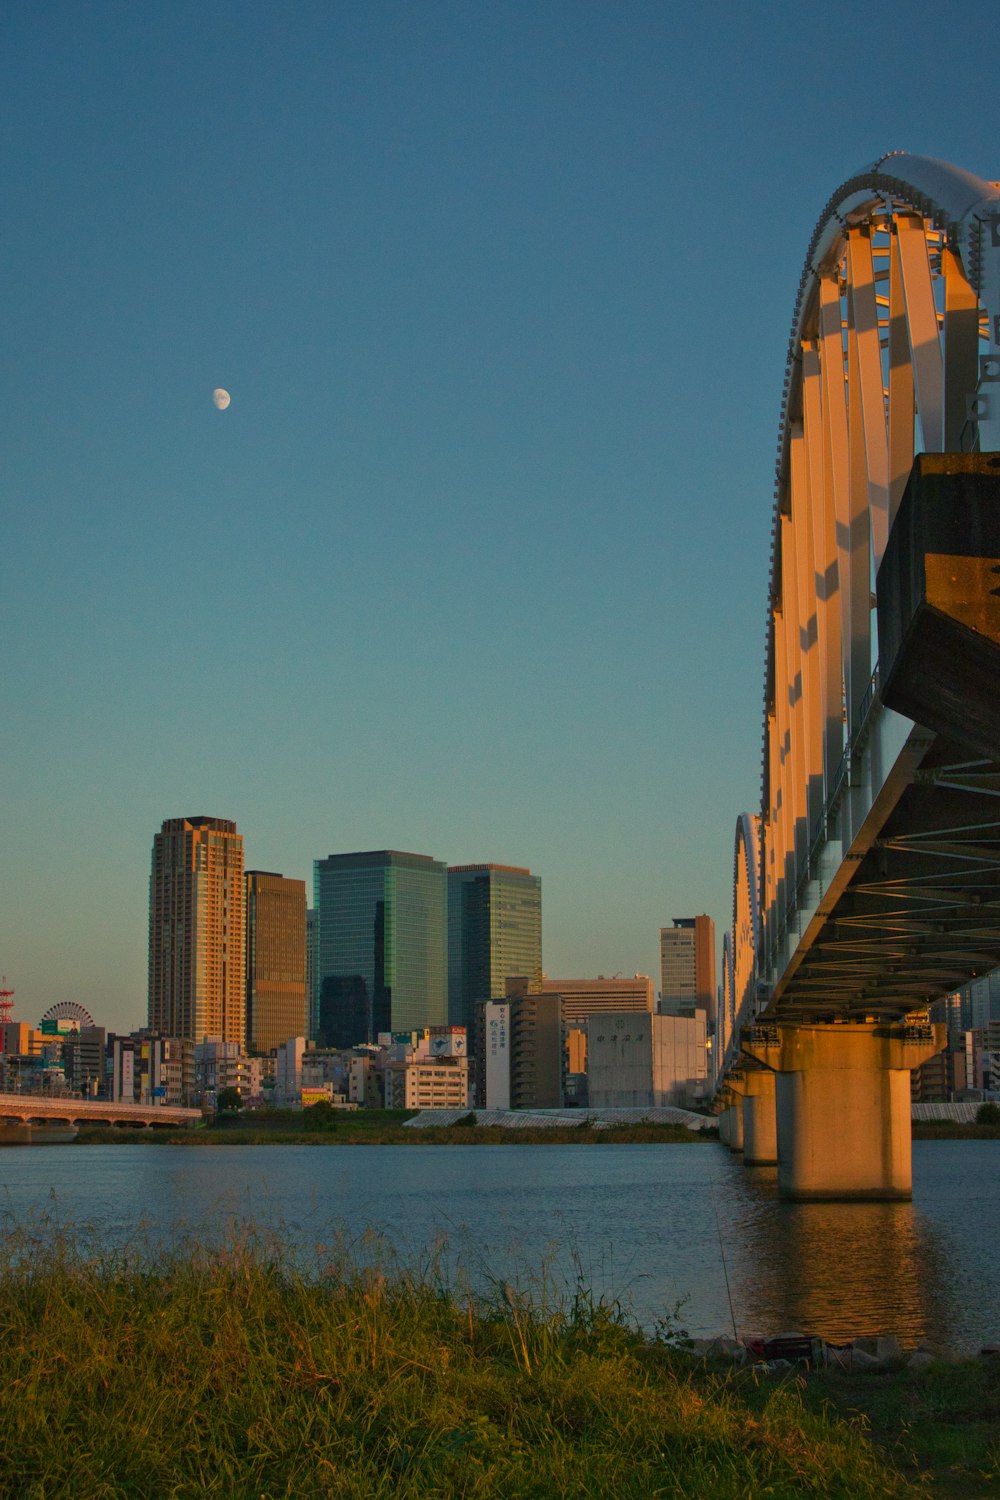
x: 871, y: 882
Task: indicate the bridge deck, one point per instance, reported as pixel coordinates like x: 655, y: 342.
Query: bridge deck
x: 43, y: 1108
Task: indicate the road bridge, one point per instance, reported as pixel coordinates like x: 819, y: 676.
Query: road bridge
x: 869, y: 883
x: 40, y: 1109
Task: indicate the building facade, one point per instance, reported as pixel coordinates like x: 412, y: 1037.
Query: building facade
x: 643, y: 1061
x: 493, y: 1054
x: 382, y: 944
x: 427, y: 1083
x: 197, y: 931
x: 312, y: 988
x: 687, y: 967
x: 584, y: 997
x: 536, y: 1052
x: 276, y: 960
x: 494, y: 932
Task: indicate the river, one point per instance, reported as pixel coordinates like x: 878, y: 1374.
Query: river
x: 652, y: 1226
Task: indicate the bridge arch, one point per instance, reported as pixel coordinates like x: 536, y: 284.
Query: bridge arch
x: 894, y: 350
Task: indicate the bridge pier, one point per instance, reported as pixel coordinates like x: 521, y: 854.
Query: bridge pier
x: 760, y: 1129
x: 842, y: 1105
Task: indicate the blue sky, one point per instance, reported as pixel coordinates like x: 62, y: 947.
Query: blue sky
x: 475, y: 563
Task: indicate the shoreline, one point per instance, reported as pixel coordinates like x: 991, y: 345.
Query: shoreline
x: 380, y: 1134
x: 368, y: 1379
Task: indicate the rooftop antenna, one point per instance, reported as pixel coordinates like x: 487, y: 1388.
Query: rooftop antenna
x: 6, y: 1003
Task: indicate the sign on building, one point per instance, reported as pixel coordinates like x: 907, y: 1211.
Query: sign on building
x: 497, y: 1060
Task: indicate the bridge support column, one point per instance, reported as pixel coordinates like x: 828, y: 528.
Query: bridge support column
x: 842, y: 1097
x: 734, y: 1124
x: 760, y: 1130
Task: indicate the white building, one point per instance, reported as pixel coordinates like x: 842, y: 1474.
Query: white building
x: 427, y: 1083
x: 643, y: 1061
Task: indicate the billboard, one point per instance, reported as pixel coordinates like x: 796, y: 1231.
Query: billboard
x: 497, y: 1071
x: 318, y: 1095
x: 127, y: 1076
x: 448, y: 1041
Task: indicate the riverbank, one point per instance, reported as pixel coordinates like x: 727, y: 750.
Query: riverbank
x: 209, y: 1373
x: 387, y: 1128
x: 355, y: 1130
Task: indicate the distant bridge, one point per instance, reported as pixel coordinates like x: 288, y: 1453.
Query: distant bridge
x: 870, y: 883
x: 43, y: 1109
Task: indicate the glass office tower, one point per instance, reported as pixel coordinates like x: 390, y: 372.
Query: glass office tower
x: 494, y: 934
x: 381, y: 945
x: 277, y: 1006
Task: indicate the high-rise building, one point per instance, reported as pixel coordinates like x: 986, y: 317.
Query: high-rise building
x: 197, y: 907
x: 687, y: 967
x: 382, y: 944
x: 276, y: 960
x: 312, y: 988
x: 494, y: 932
x: 536, y: 1052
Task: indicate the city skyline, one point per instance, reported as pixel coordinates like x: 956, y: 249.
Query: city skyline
x: 475, y: 559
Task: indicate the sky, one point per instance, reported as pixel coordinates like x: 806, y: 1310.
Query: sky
x: 475, y: 563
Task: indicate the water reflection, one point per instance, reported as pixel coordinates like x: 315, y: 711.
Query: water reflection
x: 652, y: 1225
x: 840, y: 1270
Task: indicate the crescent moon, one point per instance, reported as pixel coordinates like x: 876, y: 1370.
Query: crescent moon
x: 221, y: 398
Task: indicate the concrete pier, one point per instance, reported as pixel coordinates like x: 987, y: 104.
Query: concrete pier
x: 734, y: 1125
x: 842, y: 1105
x: 760, y: 1128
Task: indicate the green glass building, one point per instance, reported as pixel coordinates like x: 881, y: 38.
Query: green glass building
x: 381, y: 945
x: 494, y: 933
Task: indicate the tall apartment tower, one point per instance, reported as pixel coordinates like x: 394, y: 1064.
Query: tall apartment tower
x: 382, y: 944
x: 687, y: 967
x: 494, y: 932
x: 277, y: 1006
x: 197, y: 912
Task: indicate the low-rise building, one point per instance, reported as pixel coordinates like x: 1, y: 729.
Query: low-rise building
x: 288, y: 1062
x: 427, y: 1083
x: 222, y: 1065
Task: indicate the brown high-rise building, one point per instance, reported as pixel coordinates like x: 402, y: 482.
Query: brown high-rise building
x: 687, y: 967
x: 197, y: 957
x: 277, y: 1008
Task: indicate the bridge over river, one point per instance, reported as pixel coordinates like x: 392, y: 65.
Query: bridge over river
x: 40, y: 1109
x: 869, y: 884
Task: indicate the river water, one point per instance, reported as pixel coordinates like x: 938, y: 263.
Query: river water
x: 649, y: 1225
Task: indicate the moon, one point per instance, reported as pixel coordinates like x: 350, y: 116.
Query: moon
x: 221, y: 398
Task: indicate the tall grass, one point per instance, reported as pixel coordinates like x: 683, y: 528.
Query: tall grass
x: 228, y: 1372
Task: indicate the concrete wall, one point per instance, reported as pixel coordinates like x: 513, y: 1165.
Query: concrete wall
x: 642, y: 1061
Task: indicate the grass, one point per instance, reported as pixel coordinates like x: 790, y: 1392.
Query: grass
x: 945, y: 1423
x: 953, y: 1130
x: 386, y: 1128
x: 228, y: 1373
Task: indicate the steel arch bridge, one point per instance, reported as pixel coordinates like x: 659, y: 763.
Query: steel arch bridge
x: 870, y: 884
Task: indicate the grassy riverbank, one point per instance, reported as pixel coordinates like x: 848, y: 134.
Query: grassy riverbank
x: 384, y: 1128
x: 228, y: 1375
x: 953, y: 1130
